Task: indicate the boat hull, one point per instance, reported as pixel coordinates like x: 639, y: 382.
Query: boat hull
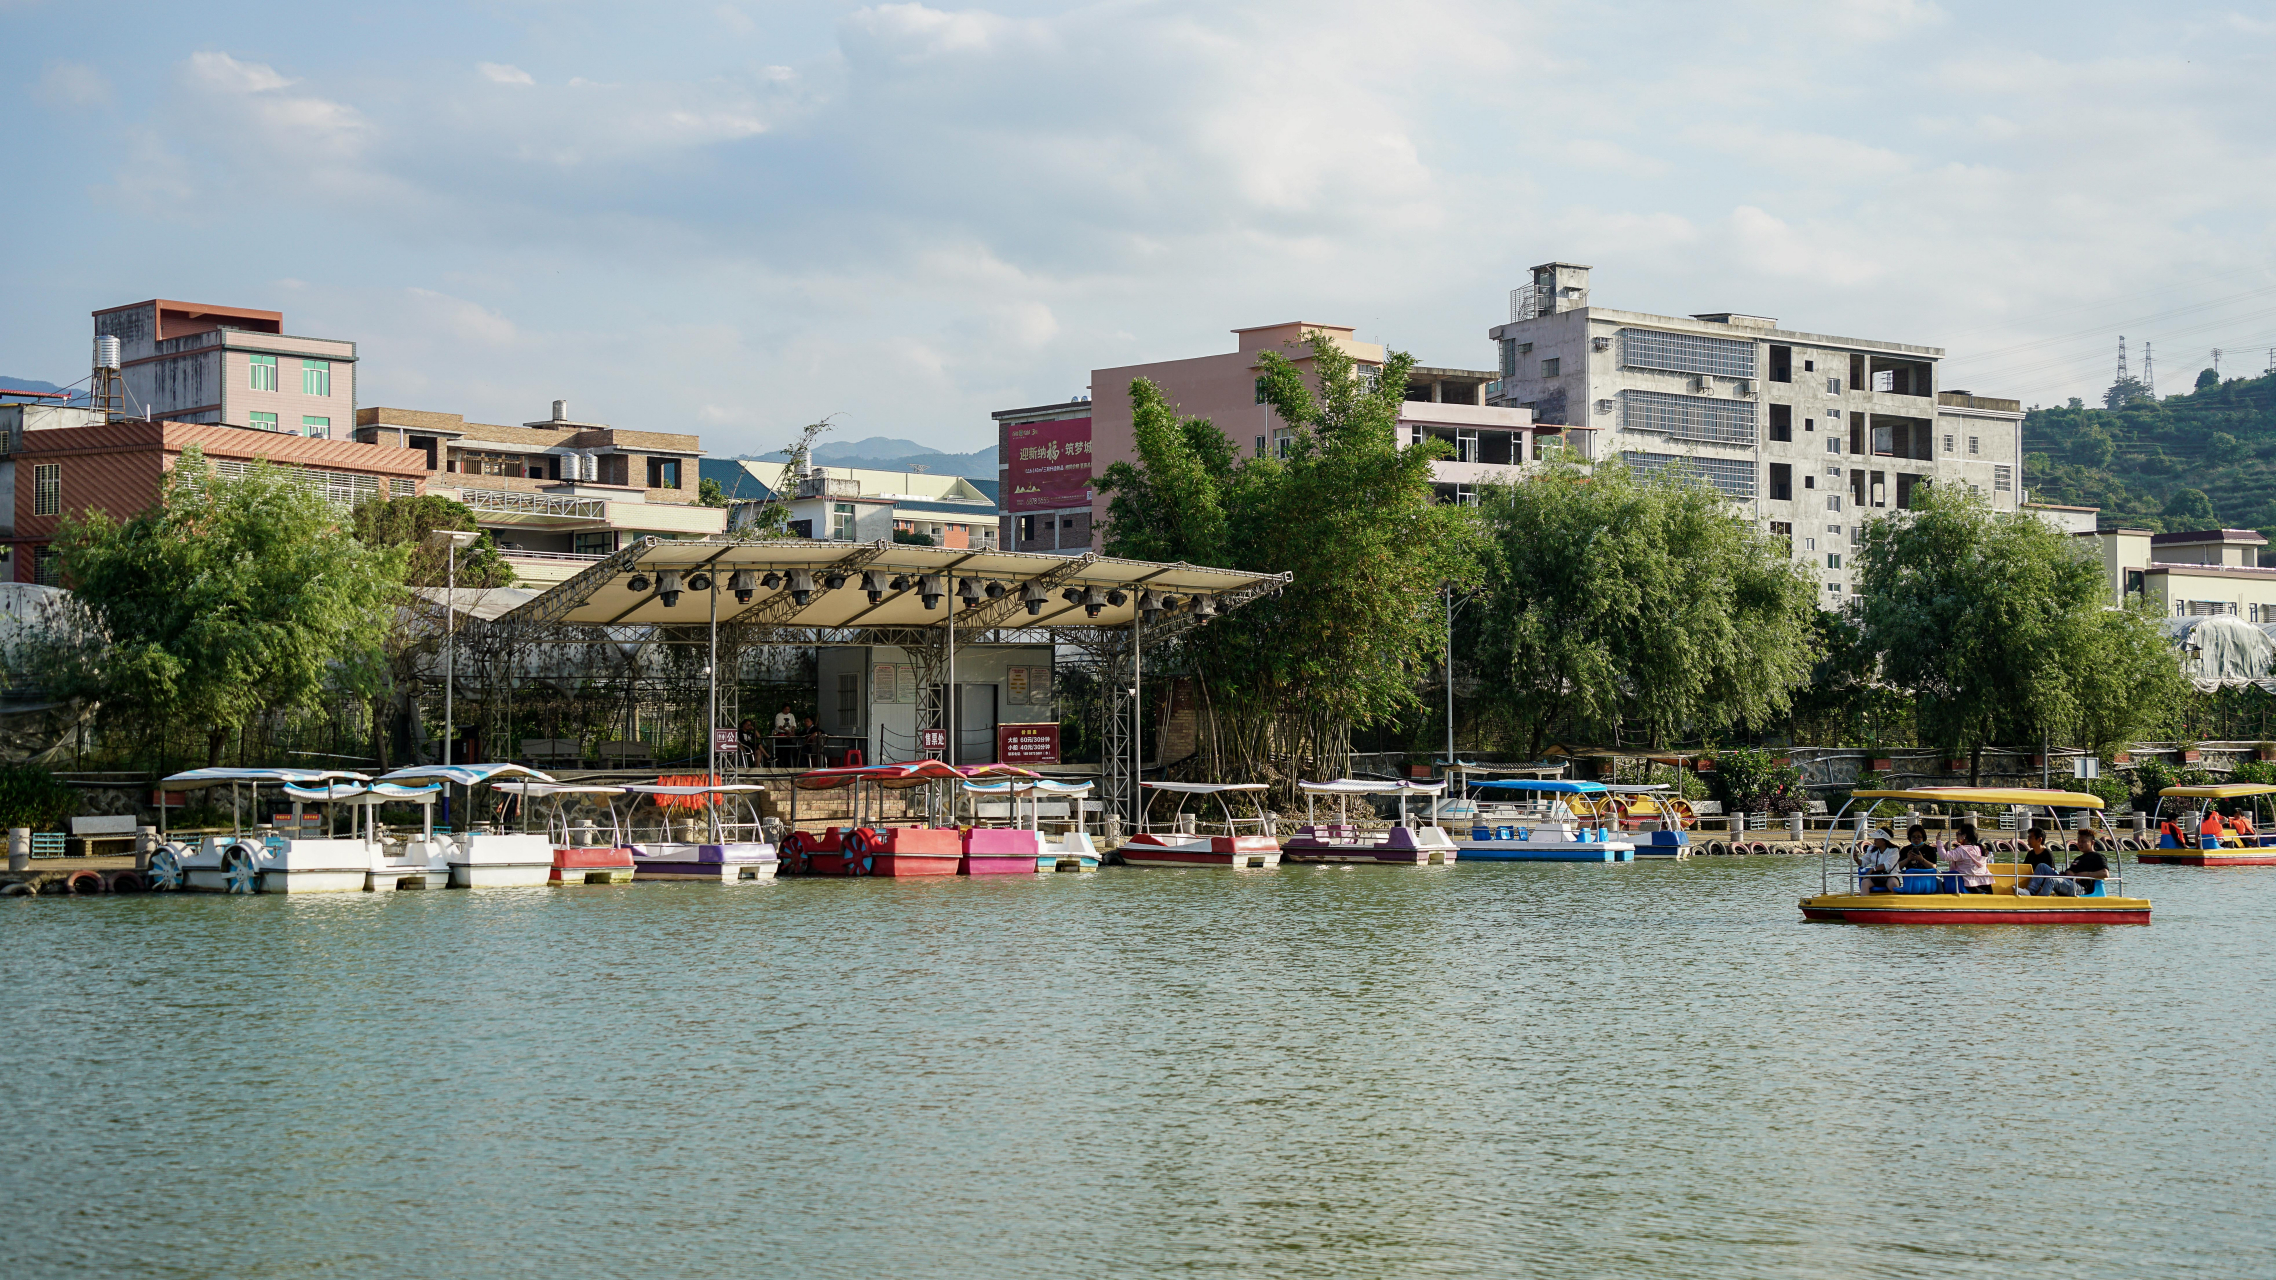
x: 1545, y: 851
x: 1971, y: 908
x: 2209, y: 857
x: 1397, y: 847
x: 500, y: 875
x: 591, y: 865
x: 1240, y: 853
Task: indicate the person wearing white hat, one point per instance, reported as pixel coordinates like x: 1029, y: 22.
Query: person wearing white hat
x: 1877, y: 865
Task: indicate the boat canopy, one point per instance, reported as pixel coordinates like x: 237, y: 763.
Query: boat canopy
x: 1369, y: 787
x: 1987, y: 795
x: 542, y: 789
x: 717, y: 788
x: 1204, y: 788
x: 1639, y: 789
x: 1044, y: 785
x: 465, y: 775
x: 2221, y: 790
x: 913, y: 773
x: 216, y: 777
x: 1544, y: 784
x: 376, y: 793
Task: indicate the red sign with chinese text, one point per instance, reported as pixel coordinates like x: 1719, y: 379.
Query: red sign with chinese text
x: 1047, y: 465
x: 1027, y: 743
x: 932, y: 739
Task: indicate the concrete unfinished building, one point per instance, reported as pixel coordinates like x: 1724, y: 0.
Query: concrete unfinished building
x: 1811, y: 432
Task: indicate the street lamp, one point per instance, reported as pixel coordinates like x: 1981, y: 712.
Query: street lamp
x: 449, y: 541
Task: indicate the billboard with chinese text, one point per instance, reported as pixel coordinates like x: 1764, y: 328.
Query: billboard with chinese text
x: 1047, y: 465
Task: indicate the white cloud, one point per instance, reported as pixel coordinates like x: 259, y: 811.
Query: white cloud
x: 219, y: 71
x: 502, y: 73
x: 71, y: 84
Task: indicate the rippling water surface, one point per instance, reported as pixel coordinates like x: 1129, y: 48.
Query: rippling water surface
x: 1652, y: 1070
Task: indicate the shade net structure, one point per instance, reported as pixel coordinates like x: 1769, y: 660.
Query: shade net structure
x: 665, y: 639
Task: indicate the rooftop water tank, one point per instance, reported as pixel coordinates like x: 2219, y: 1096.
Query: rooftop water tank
x: 106, y: 352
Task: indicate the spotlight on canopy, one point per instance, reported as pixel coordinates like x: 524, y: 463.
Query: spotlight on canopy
x: 872, y: 586
x: 745, y: 583
x: 668, y: 588
x: 1033, y: 597
x: 930, y: 589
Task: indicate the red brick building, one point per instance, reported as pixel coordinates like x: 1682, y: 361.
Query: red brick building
x: 116, y: 467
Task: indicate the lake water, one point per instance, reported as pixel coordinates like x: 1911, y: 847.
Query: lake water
x: 1651, y: 1070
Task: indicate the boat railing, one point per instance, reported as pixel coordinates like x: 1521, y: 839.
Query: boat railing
x: 2008, y: 876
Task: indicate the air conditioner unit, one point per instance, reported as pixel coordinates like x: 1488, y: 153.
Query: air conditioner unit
x: 1703, y: 384
x: 1604, y: 406
x: 1745, y: 387
x: 1600, y: 344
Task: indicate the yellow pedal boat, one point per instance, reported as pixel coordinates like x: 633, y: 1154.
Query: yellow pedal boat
x: 1920, y: 897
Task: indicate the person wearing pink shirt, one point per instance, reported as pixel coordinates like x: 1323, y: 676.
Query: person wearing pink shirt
x: 1970, y: 869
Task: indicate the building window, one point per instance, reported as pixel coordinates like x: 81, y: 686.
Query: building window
x: 1809, y: 366
x: 1834, y: 587
x: 1833, y: 560
x: 316, y: 377
x: 264, y: 374
x: 1688, y: 417
x: 315, y: 428
x: 1283, y: 442
x: 1260, y: 391
x: 663, y: 473
x: 1685, y: 353
x: 1833, y: 528
x: 1809, y: 424
x: 1784, y: 531
x: 1833, y: 444
x: 1971, y: 446
x: 596, y: 544
x: 1781, y: 482
x: 1809, y: 482
x: 2001, y: 478
x: 1833, y: 502
x: 1733, y: 477
x: 1947, y: 444
x: 47, y: 489
x: 1833, y: 386
x: 1550, y: 366
x: 1782, y: 422
x: 1809, y: 544
x: 1509, y: 357
x: 1782, y: 364
x: 47, y: 567
x: 1260, y: 446
x: 841, y: 519
x: 263, y: 421
x: 1027, y: 528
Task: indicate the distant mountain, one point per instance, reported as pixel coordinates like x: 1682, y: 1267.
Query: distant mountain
x: 2203, y: 459
x: 846, y: 453
x: 34, y: 384
x: 978, y: 465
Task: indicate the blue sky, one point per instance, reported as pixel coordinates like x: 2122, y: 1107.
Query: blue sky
x: 733, y: 218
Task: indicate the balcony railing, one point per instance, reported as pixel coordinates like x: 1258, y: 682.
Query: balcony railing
x: 516, y: 502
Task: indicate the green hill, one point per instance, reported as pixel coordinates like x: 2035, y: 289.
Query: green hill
x: 2197, y: 461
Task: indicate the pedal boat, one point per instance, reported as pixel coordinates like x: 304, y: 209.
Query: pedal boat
x: 1407, y: 844
x: 1183, y: 846
x: 729, y: 846
x: 2252, y: 849
x: 256, y: 857
x: 584, y: 851
x: 867, y: 846
x: 482, y: 858
x: 1069, y: 850
x: 1919, y: 899
x: 395, y: 862
x: 1564, y: 823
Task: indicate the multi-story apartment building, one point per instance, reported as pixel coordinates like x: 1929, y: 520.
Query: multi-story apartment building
x: 555, y: 494
x: 190, y: 362
x: 1811, y: 432
x: 862, y: 504
x: 1049, y: 454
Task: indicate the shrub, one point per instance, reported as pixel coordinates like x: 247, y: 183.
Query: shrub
x: 1754, y: 781
x: 30, y: 796
x: 2262, y: 771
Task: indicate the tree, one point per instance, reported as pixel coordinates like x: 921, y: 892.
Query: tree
x: 2003, y: 630
x: 406, y: 522
x: 231, y: 598
x: 2124, y: 392
x: 2206, y: 378
x: 2189, y: 509
x: 709, y: 494
x: 1347, y: 510
x: 2091, y: 447
x: 1618, y: 599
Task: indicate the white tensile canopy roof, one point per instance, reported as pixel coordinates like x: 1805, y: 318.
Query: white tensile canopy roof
x: 630, y: 588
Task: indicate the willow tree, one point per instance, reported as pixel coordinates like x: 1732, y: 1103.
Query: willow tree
x: 1623, y: 600
x: 2003, y: 629
x: 1343, y: 507
x: 231, y: 598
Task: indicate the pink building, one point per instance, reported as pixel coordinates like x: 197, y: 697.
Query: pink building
x: 1049, y: 453
x: 191, y: 362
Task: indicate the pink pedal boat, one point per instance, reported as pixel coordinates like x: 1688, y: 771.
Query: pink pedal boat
x: 1406, y: 844
x: 1184, y: 846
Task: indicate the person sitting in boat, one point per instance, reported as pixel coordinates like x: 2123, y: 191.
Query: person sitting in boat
x: 1971, y: 870
x: 1876, y: 864
x: 1918, y: 854
x: 2240, y: 822
x: 2212, y: 828
x: 2089, y: 867
x: 2169, y: 834
x: 2045, y: 881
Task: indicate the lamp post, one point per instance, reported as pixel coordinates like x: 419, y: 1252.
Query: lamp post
x: 450, y: 540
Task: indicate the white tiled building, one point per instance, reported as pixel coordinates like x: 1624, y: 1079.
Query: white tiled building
x: 1812, y: 432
